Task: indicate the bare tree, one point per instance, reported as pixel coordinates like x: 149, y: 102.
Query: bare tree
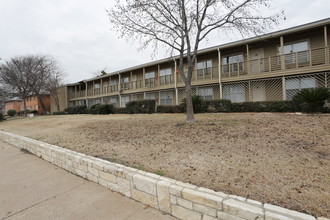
x: 54, y: 82
x: 30, y: 75
x: 16, y: 73
x: 46, y: 77
x: 181, y: 25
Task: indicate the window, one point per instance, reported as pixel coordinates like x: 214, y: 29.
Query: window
x: 96, y: 86
x: 235, y: 93
x: 113, y: 82
x: 166, y: 98
x: 206, y: 93
x: 233, y: 59
x: 97, y: 101
x: 301, y: 48
x: 233, y: 63
x: 34, y: 98
x: 125, y: 79
x: 36, y: 107
x: 113, y: 101
x: 165, y: 72
x: 149, y: 75
x: 124, y: 100
x: 293, y: 86
x: 150, y: 96
x: 204, y: 69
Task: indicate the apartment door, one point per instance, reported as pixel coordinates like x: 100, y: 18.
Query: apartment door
x: 257, y: 61
x: 258, y: 91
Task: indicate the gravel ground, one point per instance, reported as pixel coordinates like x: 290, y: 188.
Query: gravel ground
x: 282, y: 159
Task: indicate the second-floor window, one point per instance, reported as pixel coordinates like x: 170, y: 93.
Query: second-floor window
x: 204, y: 68
x: 96, y: 86
x: 233, y: 63
x: 113, y: 82
x: 149, y: 75
x: 165, y: 72
x: 293, y: 51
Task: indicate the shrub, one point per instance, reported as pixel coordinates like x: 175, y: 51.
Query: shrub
x: 120, y: 110
x: 197, y: 102
x: 2, y: 117
x: 59, y: 113
x: 265, y: 106
x: 101, y: 109
x: 312, y: 100
x: 221, y: 105
x: 31, y: 111
x: 170, y: 109
x: 11, y: 112
x: 143, y: 106
x: 76, y: 110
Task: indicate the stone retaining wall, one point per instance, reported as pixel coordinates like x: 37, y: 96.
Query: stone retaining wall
x: 182, y: 200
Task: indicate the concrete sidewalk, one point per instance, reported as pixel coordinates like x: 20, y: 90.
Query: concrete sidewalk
x: 31, y: 188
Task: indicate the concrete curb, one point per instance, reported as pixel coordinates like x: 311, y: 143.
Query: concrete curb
x: 182, y: 200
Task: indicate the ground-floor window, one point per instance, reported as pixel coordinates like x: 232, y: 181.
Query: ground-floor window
x: 113, y: 101
x: 205, y: 93
x: 166, y: 98
x: 124, y: 101
x: 150, y: 96
x: 235, y: 93
x: 293, y: 86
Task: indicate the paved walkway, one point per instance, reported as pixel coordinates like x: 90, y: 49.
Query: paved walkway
x: 31, y: 188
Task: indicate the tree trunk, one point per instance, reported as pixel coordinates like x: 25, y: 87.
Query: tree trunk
x: 24, y: 104
x: 189, y: 104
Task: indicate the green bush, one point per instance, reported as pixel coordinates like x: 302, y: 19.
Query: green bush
x: 76, y: 110
x: 120, y: 110
x: 11, y: 112
x: 197, y: 102
x: 312, y: 100
x: 143, y: 106
x: 99, y: 109
x: 32, y: 111
x: 2, y: 117
x: 59, y: 113
x: 265, y: 106
x: 170, y: 109
x: 221, y: 105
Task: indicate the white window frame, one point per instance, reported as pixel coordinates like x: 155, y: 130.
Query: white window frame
x: 166, y: 98
x: 206, y: 93
x: 234, y: 92
x: 149, y: 75
x: 165, y: 72
x: 151, y: 96
x: 293, y: 86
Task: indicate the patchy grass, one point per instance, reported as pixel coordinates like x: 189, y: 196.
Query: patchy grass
x: 282, y: 159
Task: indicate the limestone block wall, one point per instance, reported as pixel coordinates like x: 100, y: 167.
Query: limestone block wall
x: 182, y: 200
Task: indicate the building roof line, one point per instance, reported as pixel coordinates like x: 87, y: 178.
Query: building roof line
x: 271, y: 35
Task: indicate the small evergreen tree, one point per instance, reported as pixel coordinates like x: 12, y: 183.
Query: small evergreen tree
x: 312, y: 100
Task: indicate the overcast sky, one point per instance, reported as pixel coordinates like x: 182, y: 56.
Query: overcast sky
x: 77, y: 33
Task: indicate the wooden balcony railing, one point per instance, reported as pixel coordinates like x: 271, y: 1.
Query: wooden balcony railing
x: 296, y: 60
x: 167, y: 79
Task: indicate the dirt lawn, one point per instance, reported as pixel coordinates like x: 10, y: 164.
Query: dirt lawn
x: 282, y: 159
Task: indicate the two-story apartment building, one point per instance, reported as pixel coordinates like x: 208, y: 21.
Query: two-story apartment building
x: 274, y: 66
x: 33, y: 103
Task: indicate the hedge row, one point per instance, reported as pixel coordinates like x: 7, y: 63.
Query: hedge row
x: 149, y: 106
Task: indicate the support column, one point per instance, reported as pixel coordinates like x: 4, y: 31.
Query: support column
x: 220, y: 72
x: 283, y: 88
x: 176, y: 83
x: 282, y: 57
x: 101, y: 89
x: 86, y: 94
x: 248, y: 59
x: 326, y: 80
x: 119, y: 88
x: 326, y: 49
x: 158, y: 75
x: 93, y: 88
x: 143, y: 77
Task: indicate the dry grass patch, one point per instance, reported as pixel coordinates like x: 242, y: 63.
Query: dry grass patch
x: 282, y: 159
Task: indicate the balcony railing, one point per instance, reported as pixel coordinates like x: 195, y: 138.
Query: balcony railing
x: 167, y: 79
x: 307, y: 58
x: 149, y: 82
x: 296, y: 60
